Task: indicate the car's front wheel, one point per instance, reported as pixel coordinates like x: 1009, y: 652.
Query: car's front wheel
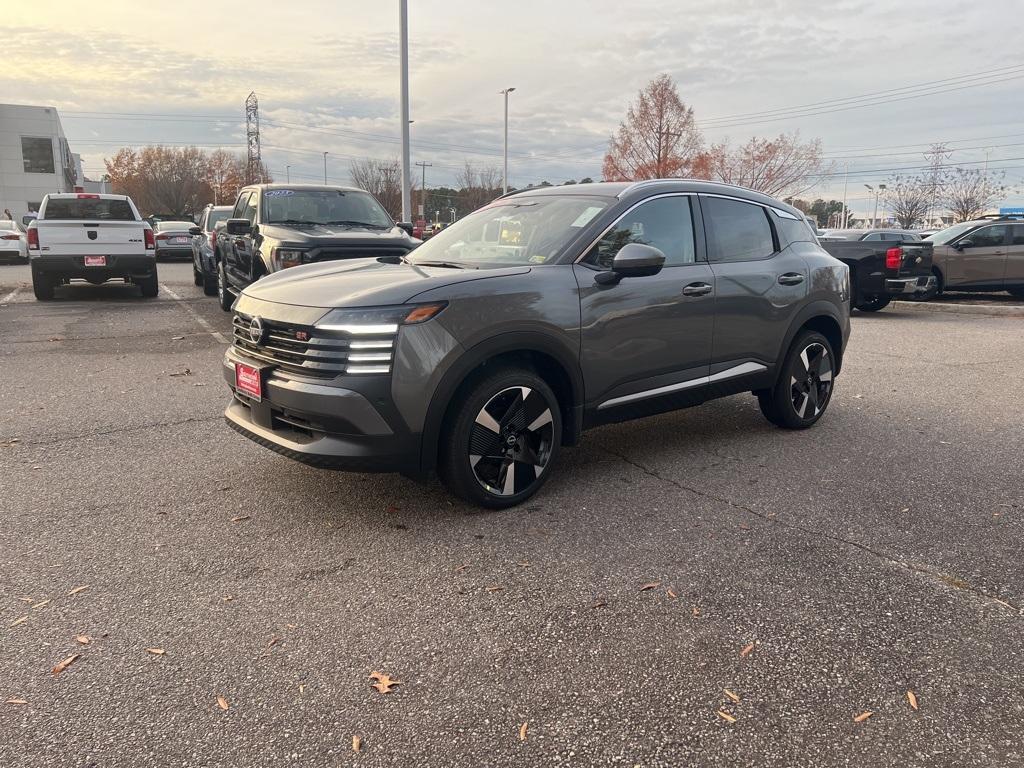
x: 501, y: 439
x: 804, y: 388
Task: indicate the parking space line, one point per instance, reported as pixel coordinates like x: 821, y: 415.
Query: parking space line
x: 6, y: 299
x: 195, y: 316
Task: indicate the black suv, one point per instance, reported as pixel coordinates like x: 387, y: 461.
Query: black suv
x: 545, y: 313
x: 275, y: 226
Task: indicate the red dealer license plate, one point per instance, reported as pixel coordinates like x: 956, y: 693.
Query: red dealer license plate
x: 95, y: 261
x: 248, y: 381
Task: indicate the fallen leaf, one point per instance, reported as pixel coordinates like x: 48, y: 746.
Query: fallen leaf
x: 599, y: 604
x: 696, y: 611
x: 460, y: 568
x: 384, y: 682
x: 27, y: 599
x: 670, y: 593
x: 302, y: 688
x: 524, y: 564
x: 747, y: 649
x: 228, y: 598
x: 357, y: 743
x: 905, y: 509
x: 273, y: 641
x: 732, y: 695
x: 156, y: 651
x: 16, y: 701
x: 858, y: 397
x: 76, y: 590
x: 61, y: 666
x: 40, y: 604
x: 240, y: 518
x: 912, y: 698
x: 863, y: 716
x: 83, y: 639
x: 650, y: 585
x: 744, y: 527
x: 55, y: 338
x: 22, y: 620
x: 177, y: 338
x: 726, y: 716
x: 186, y: 372
x: 522, y: 731
x: 291, y: 626
x: 495, y: 589
x: 223, y: 703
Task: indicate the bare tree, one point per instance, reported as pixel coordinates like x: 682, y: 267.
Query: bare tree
x: 477, y: 186
x: 909, y: 199
x: 383, y: 180
x: 658, y: 139
x: 970, y: 191
x: 783, y: 166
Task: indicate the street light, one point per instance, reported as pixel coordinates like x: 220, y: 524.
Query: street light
x: 325, y: 168
x: 504, y: 182
x: 874, y: 218
x: 288, y: 174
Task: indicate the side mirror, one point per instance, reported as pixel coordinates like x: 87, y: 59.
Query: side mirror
x: 405, y: 226
x: 195, y: 231
x: 633, y: 260
x: 238, y: 227
x: 964, y: 244
x: 28, y: 218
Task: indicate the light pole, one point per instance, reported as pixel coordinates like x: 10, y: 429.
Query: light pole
x: 325, y: 168
x: 875, y: 215
x: 881, y: 191
x: 403, y: 45
x: 846, y: 179
x: 288, y: 174
x: 504, y: 178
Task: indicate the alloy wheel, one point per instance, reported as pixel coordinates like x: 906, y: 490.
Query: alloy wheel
x: 511, y: 440
x: 811, y: 381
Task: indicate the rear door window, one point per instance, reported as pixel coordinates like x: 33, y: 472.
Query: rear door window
x: 736, y: 231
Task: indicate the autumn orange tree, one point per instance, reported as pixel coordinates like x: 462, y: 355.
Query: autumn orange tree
x: 658, y: 139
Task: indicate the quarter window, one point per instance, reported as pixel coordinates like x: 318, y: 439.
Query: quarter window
x: 37, y: 154
x: 988, y: 237
x: 736, y: 231
x: 665, y: 223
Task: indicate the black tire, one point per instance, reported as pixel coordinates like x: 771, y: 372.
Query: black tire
x: 804, y: 388
x: 150, y: 284
x: 1017, y: 293
x: 938, y: 280
x: 224, y: 297
x: 197, y: 276
x: 209, y: 284
x: 499, y: 469
x: 42, y: 285
x: 873, y: 303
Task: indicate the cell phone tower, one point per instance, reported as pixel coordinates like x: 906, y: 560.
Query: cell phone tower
x: 254, y: 166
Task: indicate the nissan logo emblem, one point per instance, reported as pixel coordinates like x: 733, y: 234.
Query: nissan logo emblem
x: 256, y: 330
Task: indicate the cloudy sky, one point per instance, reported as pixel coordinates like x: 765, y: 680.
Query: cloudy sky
x: 876, y: 82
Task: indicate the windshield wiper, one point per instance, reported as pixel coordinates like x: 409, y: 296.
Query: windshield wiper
x: 296, y: 222
x: 350, y: 223
x: 448, y: 264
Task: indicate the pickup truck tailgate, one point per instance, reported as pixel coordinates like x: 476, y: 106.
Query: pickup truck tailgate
x: 93, y: 238
x: 917, y: 259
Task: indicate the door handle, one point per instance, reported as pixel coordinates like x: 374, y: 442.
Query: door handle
x: 697, y: 289
x: 791, y: 278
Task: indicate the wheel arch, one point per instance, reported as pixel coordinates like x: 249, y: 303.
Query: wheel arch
x: 823, y: 317
x: 551, y: 360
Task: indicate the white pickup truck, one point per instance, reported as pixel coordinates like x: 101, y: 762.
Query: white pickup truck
x: 79, y: 236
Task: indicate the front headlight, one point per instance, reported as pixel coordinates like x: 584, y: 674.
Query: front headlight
x: 283, y: 258
x: 371, y: 321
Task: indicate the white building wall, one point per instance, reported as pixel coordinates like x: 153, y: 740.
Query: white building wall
x: 19, y: 189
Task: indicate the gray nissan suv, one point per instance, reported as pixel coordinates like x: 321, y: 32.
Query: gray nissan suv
x: 550, y: 311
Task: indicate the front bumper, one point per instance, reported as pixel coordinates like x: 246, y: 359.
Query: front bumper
x: 322, y: 425
x: 141, y: 265
x: 911, y: 286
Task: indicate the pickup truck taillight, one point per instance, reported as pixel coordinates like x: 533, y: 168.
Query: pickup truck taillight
x: 893, y: 258
x: 150, y: 242
x: 33, y: 239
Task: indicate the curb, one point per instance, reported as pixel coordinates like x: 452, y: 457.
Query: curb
x: 996, y: 310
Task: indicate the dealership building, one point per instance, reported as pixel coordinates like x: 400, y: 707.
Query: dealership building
x: 35, y: 158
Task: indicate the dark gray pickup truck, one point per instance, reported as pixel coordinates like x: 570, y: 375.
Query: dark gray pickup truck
x: 884, y: 264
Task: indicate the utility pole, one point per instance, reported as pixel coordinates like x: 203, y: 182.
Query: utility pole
x: 935, y: 156
x: 504, y: 178
x: 423, y: 188
x: 254, y: 161
x: 846, y: 180
x: 403, y: 44
x: 325, y: 168
x: 288, y: 174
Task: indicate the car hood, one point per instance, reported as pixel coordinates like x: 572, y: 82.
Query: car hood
x: 361, y: 283
x: 326, y: 234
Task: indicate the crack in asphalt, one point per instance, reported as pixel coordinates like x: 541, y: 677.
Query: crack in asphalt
x: 937, y: 576
x: 123, y: 430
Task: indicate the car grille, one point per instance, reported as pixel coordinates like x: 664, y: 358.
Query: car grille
x: 360, y: 252
x: 310, y: 351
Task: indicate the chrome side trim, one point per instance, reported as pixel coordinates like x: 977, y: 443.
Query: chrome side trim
x: 730, y: 373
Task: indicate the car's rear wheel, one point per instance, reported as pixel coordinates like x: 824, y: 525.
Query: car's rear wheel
x: 150, y: 284
x: 804, y: 388
x: 209, y: 284
x: 223, y: 294
x: 873, y: 303
x: 197, y: 276
x: 42, y: 285
x: 502, y: 438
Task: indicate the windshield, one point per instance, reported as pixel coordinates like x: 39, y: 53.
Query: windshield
x: 324, y: 206
x: 87, y: 208
x: 523, y: 230
x: 943, y: 236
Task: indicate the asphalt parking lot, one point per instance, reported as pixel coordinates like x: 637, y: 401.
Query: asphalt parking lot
x: 815, y: 576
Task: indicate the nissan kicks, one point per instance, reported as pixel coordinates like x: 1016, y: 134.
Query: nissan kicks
x: 483, y: 352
